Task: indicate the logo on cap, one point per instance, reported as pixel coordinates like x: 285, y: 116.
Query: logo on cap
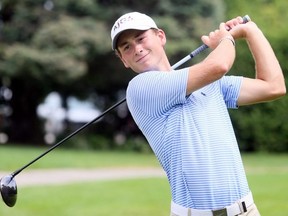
x: 122, y: 21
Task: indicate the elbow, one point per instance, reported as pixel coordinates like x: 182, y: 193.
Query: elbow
x: 221, y: 69
x: 282, y: 91
x: 279, y: 91
x: 216, y: 68
x: 281, y: 88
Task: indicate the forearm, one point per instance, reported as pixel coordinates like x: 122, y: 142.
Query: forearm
x: 213, y: 67
x: 267, y: 67
x: 223, y: 55
x: 269, y: 82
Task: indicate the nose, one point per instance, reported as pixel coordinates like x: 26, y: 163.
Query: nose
x: 138, y: 49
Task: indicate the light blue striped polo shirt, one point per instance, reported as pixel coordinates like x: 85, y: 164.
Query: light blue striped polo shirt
x: 192, y: 136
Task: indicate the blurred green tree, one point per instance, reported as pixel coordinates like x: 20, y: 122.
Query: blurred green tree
x: 262, y: 126
x: 64, y: 46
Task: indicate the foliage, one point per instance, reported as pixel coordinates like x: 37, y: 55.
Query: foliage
x: 100, y: 142
x: 262, y: 126
x: 64, y: 46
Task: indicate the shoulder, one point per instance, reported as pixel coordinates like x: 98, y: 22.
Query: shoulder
x: 159, y: 76
x: 141, y: 81
x: 145, y: 76
x: 157, y: 91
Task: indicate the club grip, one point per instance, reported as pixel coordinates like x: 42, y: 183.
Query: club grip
x: 201, y: 48
x: 246, y: 19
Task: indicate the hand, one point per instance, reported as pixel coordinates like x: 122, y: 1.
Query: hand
x: 239, y: 30
x: 215, y: 37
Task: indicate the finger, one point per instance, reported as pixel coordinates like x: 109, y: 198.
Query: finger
x: 237, y: 21
x: 228, y: 25
x: 211, y: 34
x: 231, y: 24
x: 234, y: 22
x: 205, y: 39
x: 223, y: 26
x: 240, y: 20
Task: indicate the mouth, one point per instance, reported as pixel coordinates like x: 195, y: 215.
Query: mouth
x: 142, y: 58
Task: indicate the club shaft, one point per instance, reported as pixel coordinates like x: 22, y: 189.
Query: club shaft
x: 201, y: 48
x: 69, y: 136
x: 94, y: 120
x: 178, y: 64
x: 80, y: 129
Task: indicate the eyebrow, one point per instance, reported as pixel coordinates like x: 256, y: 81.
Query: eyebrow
x: 122, y: 44
x: 137, y: 34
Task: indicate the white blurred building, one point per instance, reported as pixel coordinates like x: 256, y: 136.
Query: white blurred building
x: 54, y: 114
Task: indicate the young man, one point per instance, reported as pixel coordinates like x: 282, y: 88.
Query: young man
x: 183, y: 113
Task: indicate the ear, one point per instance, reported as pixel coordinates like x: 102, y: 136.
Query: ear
x: 162, y: 37
x: 124, y: 62
x: 118, y: 54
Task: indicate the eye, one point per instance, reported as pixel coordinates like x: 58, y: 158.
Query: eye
x: 141, y: 38
x: 126, y: 47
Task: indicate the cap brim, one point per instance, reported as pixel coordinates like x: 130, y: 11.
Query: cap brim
x: 115, y: 39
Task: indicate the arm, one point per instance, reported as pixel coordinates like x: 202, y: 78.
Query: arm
x: 269, y: 82
x: 216, y: 64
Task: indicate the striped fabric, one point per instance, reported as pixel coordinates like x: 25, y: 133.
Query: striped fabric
x: 192, y: 136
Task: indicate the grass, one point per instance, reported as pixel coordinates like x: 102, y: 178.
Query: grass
x: 125, y: 197
x: 65, y: 158
x: 267, y: 175
x: 268, y: 179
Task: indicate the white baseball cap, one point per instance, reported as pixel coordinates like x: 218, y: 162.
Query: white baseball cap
x: 133, y: 20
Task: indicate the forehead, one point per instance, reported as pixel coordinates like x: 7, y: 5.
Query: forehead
x: 128, y: 35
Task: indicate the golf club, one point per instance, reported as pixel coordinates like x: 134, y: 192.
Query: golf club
x: 8, y: 185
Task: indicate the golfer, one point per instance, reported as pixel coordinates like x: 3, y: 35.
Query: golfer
x: 183, y: 113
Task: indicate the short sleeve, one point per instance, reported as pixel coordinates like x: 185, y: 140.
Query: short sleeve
x: 155, y: 93
x: 230, y: 87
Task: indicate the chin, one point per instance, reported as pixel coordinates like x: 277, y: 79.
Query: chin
x: 145, y: 69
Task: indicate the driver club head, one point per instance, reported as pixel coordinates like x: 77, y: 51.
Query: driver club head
x: 8, y: 189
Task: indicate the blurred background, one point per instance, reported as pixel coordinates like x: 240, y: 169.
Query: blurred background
x: 58, y: 72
